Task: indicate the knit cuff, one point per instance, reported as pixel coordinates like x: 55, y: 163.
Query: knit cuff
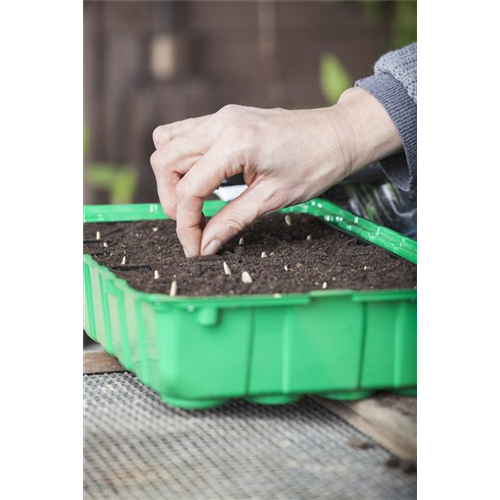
x: 400, y: 168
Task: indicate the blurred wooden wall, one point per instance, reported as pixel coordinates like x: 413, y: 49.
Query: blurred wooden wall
x: 147, y: 63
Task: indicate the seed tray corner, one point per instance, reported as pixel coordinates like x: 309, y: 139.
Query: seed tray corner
x: 197, y: 352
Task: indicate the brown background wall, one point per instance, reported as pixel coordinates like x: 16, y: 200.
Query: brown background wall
x: 251, y: 53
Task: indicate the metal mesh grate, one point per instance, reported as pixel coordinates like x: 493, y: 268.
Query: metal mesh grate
x: 137, y: 447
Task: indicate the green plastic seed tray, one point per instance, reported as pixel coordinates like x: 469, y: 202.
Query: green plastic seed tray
x: 197, y: 352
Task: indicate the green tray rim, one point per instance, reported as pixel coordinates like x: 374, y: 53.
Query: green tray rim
x: 336, y: 216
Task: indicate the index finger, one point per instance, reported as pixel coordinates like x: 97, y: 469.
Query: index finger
x: 202, y: 179
x: 171, y: 163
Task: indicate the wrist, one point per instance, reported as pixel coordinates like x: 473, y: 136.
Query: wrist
x: 368, y: 134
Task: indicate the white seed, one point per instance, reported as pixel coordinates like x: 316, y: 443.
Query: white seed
x: 157, y: 275
x: 288, y: 220
x: 334, y: 278
x: 227, y: 271
x: 365, y: 268
x: 124, y: 260
x: 241, y: 242
x: 277, y: 295
x: 105, y: 245
x: 98, y: 235
x: 263, y: 255
x: 309, y: 237
x: 155, y: 229
x: 286, y: 268
x: 325, y: 285
x: 173, y: 289
x: 245, y: 277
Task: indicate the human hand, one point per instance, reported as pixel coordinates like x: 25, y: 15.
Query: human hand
x: 286, y: 157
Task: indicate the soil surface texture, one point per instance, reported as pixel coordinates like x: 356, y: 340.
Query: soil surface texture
x: 280, y: 258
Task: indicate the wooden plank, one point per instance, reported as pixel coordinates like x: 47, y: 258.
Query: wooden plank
x: 388, y: 419
x: 424, y: 435
x: 99, y: 361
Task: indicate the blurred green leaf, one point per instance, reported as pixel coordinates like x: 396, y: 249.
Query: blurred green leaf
x: 334, y: 78
x: 100, y: 175
x: 125, y: 186
x: 374, y: 11
x: 404, y: 24
x: 119, y: 182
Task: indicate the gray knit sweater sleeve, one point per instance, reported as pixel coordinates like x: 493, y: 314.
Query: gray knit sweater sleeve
x: 394, y: 85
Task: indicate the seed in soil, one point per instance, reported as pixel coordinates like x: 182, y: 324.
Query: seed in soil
x: 124, y: 260
x: 156, y: 275
x: 331, y: 256
x: 245, y: 277
x: 324, y: 285
x: 288, y: 220
x: 155, y: 229
x: 98, y: 235
x: 173, y: 289
x: 309, y: 237
x: 227, y: 270
x: 263, y: 255
x: 241, y: 242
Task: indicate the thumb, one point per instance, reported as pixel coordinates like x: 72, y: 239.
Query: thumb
x: 256, y: 201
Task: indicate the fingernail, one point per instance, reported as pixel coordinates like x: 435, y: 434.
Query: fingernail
x: 212, y: 247
x: 186, y: 253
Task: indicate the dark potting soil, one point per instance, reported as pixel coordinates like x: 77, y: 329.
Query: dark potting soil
x: 328, y: 256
